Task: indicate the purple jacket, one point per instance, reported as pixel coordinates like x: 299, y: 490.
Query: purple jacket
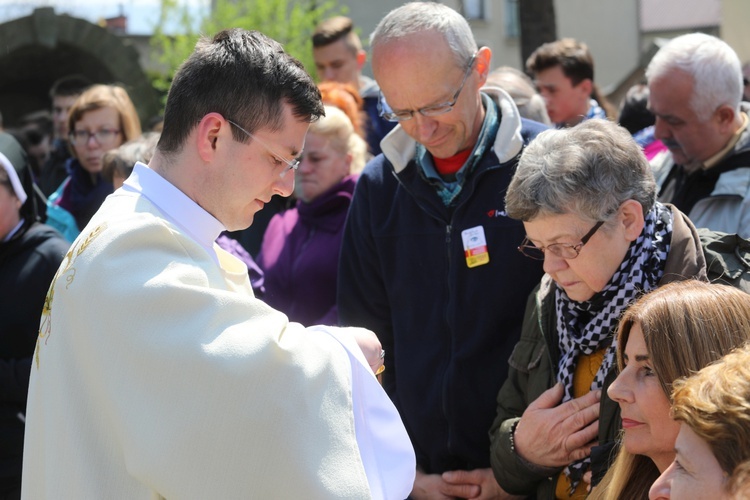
x: 300, y: 255
x: 233, y: 247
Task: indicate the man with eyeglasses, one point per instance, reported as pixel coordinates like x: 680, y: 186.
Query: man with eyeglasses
x: 157, y: 373
x: 429, y: 259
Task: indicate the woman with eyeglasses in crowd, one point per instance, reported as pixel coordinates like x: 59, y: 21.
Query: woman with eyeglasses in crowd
x: 587, y: 198
x: 102, y: 118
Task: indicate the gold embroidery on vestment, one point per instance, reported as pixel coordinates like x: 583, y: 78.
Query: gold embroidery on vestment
x: 45, y: 327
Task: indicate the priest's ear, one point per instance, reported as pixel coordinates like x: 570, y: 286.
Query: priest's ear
x: 209, y: 131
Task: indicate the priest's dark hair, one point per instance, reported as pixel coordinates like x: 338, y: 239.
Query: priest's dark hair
x: 243, y: 75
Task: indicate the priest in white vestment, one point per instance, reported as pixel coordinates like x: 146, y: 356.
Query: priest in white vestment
x: 157, y: 373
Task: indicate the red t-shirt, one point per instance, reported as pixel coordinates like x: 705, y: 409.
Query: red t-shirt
x: 451, y: 165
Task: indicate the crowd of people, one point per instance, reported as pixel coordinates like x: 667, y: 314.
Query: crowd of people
x: 453, y: 280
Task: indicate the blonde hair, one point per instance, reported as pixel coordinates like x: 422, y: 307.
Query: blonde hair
x: 107, y: 96
x: 715, y: 404
x: 338, y: 129
x: 686, y: 325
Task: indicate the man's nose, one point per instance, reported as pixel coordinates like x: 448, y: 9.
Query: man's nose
x: 329, y: 75
x: 285, y: 185
x: 425, y: 126
x: 661, y: 129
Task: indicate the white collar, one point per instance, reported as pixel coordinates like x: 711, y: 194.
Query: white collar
x: 178, y: 207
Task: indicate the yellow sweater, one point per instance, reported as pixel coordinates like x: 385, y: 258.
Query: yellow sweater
x: 586, y: 368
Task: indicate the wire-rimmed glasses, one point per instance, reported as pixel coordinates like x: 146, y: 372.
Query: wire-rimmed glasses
x: 434, y: 110
x: 563, y: 250
x: 292, y: 164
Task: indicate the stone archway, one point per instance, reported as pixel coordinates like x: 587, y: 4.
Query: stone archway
x: 40, y: 48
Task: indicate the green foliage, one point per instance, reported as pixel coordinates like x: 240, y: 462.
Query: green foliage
x: 290, y: 22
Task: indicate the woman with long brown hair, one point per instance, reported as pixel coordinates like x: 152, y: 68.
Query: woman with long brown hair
x: 668, y: 334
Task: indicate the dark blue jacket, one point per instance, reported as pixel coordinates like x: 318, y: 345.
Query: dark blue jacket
x: 28, y: 261
x: 448, y: 330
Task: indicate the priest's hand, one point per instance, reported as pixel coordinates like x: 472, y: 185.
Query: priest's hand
x: 371, y: 347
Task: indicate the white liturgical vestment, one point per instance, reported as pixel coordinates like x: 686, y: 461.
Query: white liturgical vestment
x: 157, y: 373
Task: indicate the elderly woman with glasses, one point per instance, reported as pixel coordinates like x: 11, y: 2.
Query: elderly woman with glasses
x: 586, y: 196
x: 102, y: 118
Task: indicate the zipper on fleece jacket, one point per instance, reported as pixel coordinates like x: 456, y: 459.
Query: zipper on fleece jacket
x: 448, y: 230
x: 466, y: 197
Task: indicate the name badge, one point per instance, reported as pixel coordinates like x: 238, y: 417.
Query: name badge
x: 475, y: 246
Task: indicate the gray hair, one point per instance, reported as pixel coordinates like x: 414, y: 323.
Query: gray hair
x: 418, y: 17
x: 121, y: 160
x: 588, y: 170
x: 521, y: 89
x: 714, y: 66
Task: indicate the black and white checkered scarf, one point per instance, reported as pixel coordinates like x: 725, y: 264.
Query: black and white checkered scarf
x: 586, y: 327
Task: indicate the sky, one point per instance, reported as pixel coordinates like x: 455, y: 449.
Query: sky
x: 142, y: 14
